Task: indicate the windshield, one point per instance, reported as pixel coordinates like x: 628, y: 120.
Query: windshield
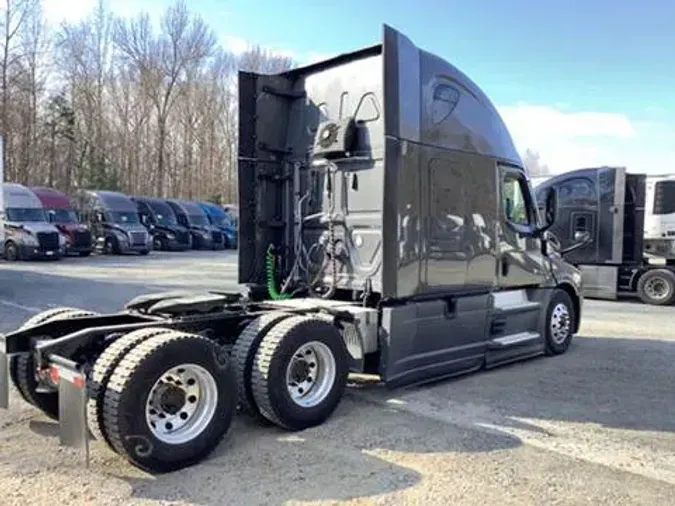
x: 63, y: 216
x: 163, y: 213
x: 124, y: 217
x: 25, y: 214
x: 198, y: 219
x: 218, y: 219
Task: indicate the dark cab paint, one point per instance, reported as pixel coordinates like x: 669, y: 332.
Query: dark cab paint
x: 160, y: 220
x: 435, y: 213
x: 223, y: 221
x: 193, y: 217
x: 114, y: 222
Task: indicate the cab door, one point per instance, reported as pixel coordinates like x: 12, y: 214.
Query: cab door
x: 521, y: 262
x: 593, y: 201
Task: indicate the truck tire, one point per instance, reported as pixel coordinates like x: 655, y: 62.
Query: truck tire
x: 103, y: 369
x: 11, y: 252
x: 170, y: 401
x: 243, y: 354
x: 300, y: 372
x: 657, y: 287
x: 22, y: 367
x: 559, y: 323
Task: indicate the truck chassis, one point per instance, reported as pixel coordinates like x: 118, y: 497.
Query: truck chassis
x: 281, y: 362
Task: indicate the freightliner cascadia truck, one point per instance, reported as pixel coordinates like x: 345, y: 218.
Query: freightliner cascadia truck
x: 387, y: 227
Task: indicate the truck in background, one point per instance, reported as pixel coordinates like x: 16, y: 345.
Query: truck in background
x: 160, y: 220
x: 114, y: 222
x: 602, y: 225
x: 352, y: 172
x: 28, y: 233
x: 193, y: 217
x: 660, y: 216
x: 61, y: 213
x: 223, y: 221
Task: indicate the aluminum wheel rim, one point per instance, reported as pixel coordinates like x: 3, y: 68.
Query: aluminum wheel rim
x: 560, y: 323
x: 181, y: 404
x: 310, y: 374
x: 657, y: 288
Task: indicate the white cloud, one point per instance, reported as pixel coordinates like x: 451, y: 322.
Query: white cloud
x: 569, y: 140
x: 237, y: 45
x: 57, y: 11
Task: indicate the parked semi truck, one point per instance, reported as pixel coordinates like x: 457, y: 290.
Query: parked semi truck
x: 343, y: 167
x: 114, y: 222
x: 222, y: 221
x: 160, y: 220
x: 28, y: 233
x: 193, y: 217
x: 61, y: 213
x: 602, y: 229
x: 659, y: 213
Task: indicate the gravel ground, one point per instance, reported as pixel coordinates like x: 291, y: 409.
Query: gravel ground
x: 595, y: 426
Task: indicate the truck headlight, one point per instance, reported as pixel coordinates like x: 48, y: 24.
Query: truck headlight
x: 170, y: 236
x: 63, y: 240
x: 29, y: 239
x: 121, y: 236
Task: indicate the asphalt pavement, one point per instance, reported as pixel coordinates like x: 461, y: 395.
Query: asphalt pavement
x: 595, y: 426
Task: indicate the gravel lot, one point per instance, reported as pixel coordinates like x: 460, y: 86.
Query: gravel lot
x: 595, y: 426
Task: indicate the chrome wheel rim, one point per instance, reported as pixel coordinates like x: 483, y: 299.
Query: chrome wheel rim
x: 657, y: 288
x: 181, y: 404
x: 560, y: 323
x: 311, y: 374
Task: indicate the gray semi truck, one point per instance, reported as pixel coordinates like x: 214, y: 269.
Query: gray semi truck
x: 387, y: 227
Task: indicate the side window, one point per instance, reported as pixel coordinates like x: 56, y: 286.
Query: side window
x: 514, y: 202
x: 575, y: 190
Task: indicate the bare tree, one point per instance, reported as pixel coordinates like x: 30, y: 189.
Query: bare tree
x: 125, y: 106
x: 15, y: 15
x: 533, y: 165
x: 163, y: 61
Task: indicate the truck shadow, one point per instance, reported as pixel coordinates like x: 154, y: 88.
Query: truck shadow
x: 363, y: 451
x: 618, y: 383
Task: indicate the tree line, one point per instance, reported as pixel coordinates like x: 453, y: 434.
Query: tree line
x: 117, y: 103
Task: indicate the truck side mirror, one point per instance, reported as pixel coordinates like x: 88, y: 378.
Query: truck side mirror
x: 551, y: 207
x: 50, y: 216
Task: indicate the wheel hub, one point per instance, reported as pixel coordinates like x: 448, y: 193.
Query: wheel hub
x: 181, y: 403
x: 310, y: 374
x: 561, y: 323
x: 657, y: 288
x: 171, y: 398
x: 300, y: 370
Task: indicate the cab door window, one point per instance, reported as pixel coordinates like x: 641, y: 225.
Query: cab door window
x: 516, y: 204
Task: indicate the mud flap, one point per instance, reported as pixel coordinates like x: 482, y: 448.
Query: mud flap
x: 73, y: 428
x: 4, y: 376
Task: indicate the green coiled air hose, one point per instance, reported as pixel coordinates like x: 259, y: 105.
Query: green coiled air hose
x: 271, y: 282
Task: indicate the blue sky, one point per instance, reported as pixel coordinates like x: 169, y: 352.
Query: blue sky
x: 583, y: 83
